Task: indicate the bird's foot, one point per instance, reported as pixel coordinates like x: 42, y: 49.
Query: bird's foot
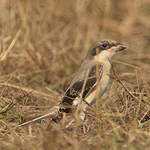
x: 82, y: 116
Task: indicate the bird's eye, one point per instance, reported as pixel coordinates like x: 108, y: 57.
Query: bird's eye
x: 104, y: 45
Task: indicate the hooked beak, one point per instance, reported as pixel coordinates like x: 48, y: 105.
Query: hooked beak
x: 120, y: 47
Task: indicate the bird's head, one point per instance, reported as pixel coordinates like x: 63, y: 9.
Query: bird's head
x: 106, y: 49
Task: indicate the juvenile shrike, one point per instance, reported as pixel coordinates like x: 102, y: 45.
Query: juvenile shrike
x: 92, y: 78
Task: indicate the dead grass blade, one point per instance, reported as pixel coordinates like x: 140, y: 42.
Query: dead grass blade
x: 120, y: 82
x: 4, y: 54
x: 27, y: 90
x: 132, y: 66
x: 52, y: 114
x: 7, y: 108
x: 145, y: 117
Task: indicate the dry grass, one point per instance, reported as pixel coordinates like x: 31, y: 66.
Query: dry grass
x: 42, y: 43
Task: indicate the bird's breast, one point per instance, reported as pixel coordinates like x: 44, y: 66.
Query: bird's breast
x: 104, y: 82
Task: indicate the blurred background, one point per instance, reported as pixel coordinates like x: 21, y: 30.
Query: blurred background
x: 42, y: 43
x: 52, y: 37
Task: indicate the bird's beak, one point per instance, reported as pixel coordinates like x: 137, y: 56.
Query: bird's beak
x: 120, y: 47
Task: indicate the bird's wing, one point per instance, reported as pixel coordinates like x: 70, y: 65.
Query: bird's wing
x: 83, y: 85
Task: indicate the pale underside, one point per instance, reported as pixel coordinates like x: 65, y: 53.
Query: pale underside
x: 92, y: 82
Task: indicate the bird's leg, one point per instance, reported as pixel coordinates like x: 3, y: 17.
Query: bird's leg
x: 77, y: 101
x: 58, y: 117
x: 84, y: 105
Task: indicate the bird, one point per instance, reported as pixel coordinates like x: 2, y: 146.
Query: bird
x: 92, y: 78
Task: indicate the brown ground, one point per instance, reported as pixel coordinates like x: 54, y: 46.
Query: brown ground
x: 42, y: 43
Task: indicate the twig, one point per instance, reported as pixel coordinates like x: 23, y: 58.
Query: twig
x: 51, y: 114
x: 119, y: 81
x: 145, y: 117
x: 6, y: 52
x: 132, y: 66
x: 28, y: 90
x: 7, y: 108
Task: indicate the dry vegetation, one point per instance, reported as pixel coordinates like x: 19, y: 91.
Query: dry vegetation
x: 42, y: 43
